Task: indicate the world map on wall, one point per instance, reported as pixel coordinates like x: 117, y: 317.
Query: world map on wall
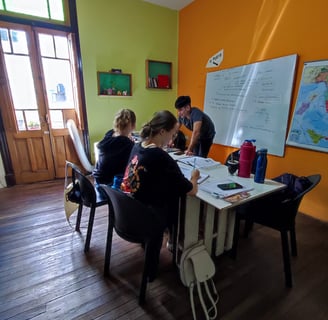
x: 309, y: 127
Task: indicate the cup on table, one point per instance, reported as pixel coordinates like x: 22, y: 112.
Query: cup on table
x: 233, y: 166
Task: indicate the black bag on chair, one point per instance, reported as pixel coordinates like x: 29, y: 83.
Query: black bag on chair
x: 295, y: 185
x: 180, y: 141
x: 74, y: 195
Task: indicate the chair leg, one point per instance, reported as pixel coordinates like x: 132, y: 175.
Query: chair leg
x: 89, y: 231
x: 78, y: 218
x: 108, y: 251
x: 145, y: 275
x: 286, y: 259
x: 293, y: 243
x: 174, y: 239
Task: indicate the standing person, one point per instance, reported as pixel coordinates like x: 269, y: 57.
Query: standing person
x: 202, y: 127
x: 115, y: 148
x: 154, y: 178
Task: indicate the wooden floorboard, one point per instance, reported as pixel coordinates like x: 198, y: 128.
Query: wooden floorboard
x: 44, y: 273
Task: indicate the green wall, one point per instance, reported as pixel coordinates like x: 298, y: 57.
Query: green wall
x: 123, y: 34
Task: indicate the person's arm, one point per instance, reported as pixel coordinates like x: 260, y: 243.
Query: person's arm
x: 194, y: 178
x: 194, y: 137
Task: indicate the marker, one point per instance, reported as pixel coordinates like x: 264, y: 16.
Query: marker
x: 216, y: 195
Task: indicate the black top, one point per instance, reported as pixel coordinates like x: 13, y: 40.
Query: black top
x: 207, y: 130
x: 153, y: 177
x: 114, y: 153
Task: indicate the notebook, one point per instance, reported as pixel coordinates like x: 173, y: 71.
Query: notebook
x: 187, y: 169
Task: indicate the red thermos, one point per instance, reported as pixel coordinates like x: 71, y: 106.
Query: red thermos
x: 247, y: 155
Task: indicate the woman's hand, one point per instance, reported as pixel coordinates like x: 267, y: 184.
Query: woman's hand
x: 194, y: 178
x: 195, y: 174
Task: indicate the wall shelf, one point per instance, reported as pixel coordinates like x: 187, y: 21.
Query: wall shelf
x: 114, y: 84
x: 158, y: 74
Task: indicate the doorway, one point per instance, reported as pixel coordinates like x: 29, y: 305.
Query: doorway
x: 39, y: 92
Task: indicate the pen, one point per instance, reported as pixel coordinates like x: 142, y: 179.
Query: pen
x: 194, y: 163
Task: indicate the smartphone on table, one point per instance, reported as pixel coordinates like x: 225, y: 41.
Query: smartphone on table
x: 229, y: 186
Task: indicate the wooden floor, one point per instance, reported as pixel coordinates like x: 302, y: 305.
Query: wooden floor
x: 44, y: 273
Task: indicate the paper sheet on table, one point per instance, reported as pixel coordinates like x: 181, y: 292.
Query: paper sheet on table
x: 199, y: 162
x: 212, y: 188
x: 187, y: 169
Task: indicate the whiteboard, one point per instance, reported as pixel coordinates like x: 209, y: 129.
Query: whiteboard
x: 252, y: 102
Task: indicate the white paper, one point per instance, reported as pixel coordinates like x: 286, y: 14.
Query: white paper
x: 215, y: 60
x: 198, y: 162
x: 212, y: 188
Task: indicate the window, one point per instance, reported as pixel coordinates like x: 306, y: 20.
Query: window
x: 50, y: 10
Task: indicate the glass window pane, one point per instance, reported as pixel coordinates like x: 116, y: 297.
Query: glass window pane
x: 20, y: 120
x: 5, y: 40
x: 21, y: 81
x: 57, y: 120
x: 57, y: 76
x: 1, y: 5
x: 32, y: 120
x: 19, y: 42
x: 56, y: 10
x: 32, y: 7
x: 61, y: 47
x: 46, y: 45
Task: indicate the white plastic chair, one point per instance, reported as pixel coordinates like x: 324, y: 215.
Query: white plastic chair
x: 74, y: 133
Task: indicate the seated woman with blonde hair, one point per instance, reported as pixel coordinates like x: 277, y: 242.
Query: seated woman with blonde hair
x: 115, y: 147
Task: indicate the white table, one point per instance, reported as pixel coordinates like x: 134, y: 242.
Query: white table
x: 217, y: 216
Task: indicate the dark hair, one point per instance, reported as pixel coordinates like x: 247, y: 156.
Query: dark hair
x: 182, y: 101
x: 161, y: 120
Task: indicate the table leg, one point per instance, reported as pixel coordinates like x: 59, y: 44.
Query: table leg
x: 209, y: 214
x: 191, y: 222
x: 221, y: 231
x: 230, y: 229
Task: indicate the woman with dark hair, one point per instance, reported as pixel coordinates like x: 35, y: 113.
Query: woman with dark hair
x: 115, y: 147
x: 153, y: 177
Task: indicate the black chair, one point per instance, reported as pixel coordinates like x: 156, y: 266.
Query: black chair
x: 133, y: 222
x: 89, y: 196
x: 277, y: 212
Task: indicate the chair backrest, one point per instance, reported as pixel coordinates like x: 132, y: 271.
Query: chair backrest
x: 132, y: 219
x: 235, y: 156
x: 314, y: 179
x: 293, y: 204
x: 86, y: 187
x: 74, y: 133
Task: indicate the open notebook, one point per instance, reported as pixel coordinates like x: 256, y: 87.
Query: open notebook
x: 198, y: 162
x: 187, y: 169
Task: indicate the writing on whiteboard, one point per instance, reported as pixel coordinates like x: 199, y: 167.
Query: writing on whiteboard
x: 252, y: 102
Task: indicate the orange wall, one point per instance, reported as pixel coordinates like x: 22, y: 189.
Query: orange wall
x: 250, y: 31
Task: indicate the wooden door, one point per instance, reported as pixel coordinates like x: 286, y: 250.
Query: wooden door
x: 38, y: 93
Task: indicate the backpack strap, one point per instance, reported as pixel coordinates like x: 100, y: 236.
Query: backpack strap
x: 204, y: 270
x: 197, y: 268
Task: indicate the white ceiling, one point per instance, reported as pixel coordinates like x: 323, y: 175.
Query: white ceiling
x: 171, y: 4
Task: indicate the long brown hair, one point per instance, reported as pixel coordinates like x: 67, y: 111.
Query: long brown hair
x: 161, y: 120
